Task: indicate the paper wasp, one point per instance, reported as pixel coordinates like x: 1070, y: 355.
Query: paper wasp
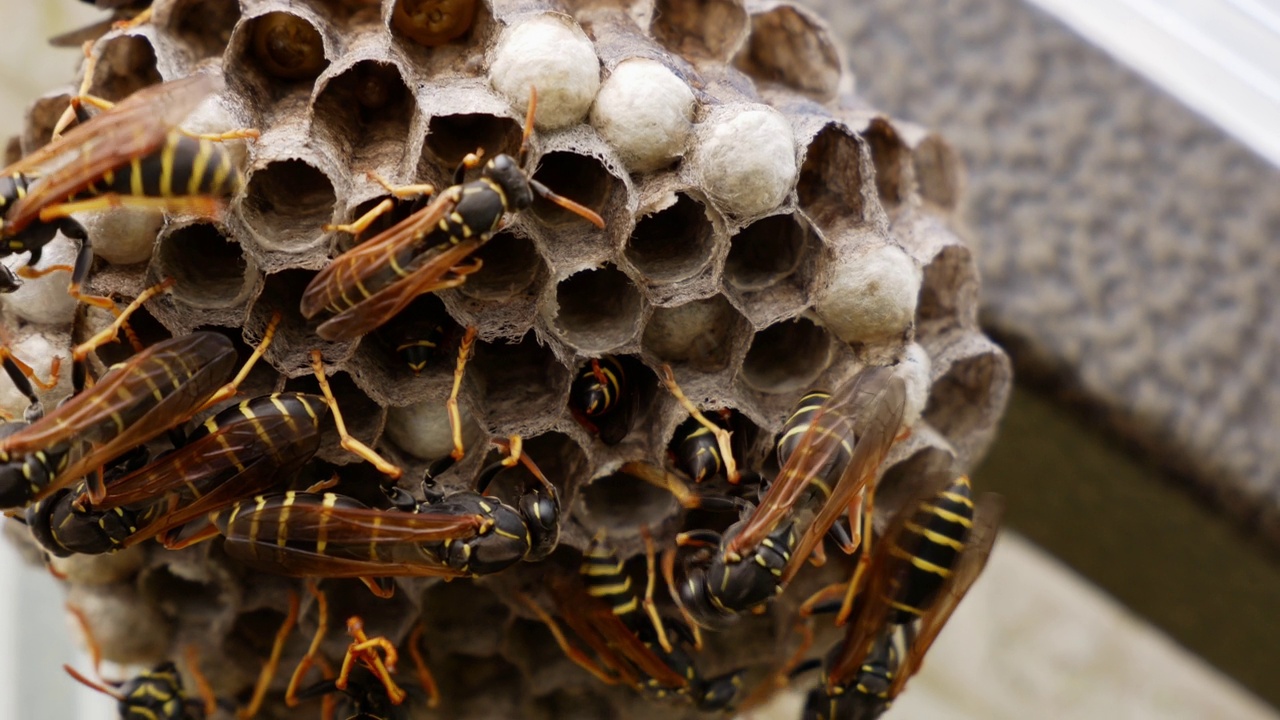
x: 902, y: 594
x: 369, y: 284
x: 238, y: 453
x: 155, y: 694
x: 129, y: 155
x: 840, y: 446
x: 134, y: 401
x: 330, y: 535
x: 626, y: 635
x: 600, y: 399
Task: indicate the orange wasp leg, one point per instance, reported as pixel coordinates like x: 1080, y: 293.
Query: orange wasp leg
x: 723, y: 437
x: 577, y: 656
x: 192, y: 656
x: 322, y: 628
x: 864, y: 560
x: 669, y: 574
x: 651, y: 609
x: 229, y: 390
x: 273, y: 661
x: 138, y: 20
x: 112, y: 331
x: 451, y: 405
x: 349, y: 443
x: 365, y: 649
x: 400, y: 192
x: 420, y: 666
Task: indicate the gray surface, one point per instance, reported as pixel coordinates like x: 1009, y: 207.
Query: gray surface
x: 1126, y: 244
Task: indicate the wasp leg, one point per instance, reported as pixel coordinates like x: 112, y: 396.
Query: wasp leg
x: 237, y: 134
x: 864, y: 560
x: 382, y: 588
x: 109, y: 692
x: 400, y: 192
x: 229, y: 390
x: 451, y: 405
x: 91, y: 643
x: 582, y: 659
x: 194, y: 204
x: 111, y: 332
x: 469, y: 161
x: 651, y: 573
x: 22, y: 376
x: 669, y: 575
x: 723, y: 437
x: 322, y: 628
x: 141, y: 18
x: 366, y: 649
x: 273, y: 661
x: 349, y: 443
x: 420, y: 665
x: 75, y: 111
x: 192, y: 656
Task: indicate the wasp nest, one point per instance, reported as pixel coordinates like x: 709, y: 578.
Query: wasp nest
x: 766, y: 233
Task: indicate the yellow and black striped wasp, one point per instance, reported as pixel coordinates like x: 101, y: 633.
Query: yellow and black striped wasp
x: 627, y: 639
x: 369, y: 284
x: 129, y: 155
x: 242, y: 451
x: 451, y: 535
x: 829, y: 455
x: 135, y: 401
x: 903, y: 592
x: 154, y: 694
x: 600, y: 399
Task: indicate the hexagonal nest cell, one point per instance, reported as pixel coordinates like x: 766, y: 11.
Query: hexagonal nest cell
x: 407, y: 88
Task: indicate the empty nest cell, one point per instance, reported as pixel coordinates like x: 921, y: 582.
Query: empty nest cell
x: 768, y: 251
x: 367, y: 104
x: 699, y: 335
x: 787, y: 357
x: 791, y: 47
x: 580, y: 178
x: 209, y: 268
x: 464, y: 617
x: 126, y: 64
x: 891, y: 159
x: 949, y: 293
x: 286, y: 205
x: 598, y: 309
x: 830, y: 186
x: 699, y: 29
x: 451, y: 137
x: 204, y: 26
x: 960, y: 403
x: 938, y: 171
x: 674, y: 243
x: 522, y: 383
x: 511, y: 264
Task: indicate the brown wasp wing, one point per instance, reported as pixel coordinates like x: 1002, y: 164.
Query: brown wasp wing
x: 344, y: 275
x: 354, y: 525
x: 204, y: 378
x: 383, y: 305
x: 273, y: 440
x: 877, y: 420
x: 830, y: 426
x: 300, y: 562
x: 610, y: 638
x: 883, y: 576
x: 137, y: 126
x: 977, y: 549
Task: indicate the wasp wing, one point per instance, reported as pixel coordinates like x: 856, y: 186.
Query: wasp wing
x: 134, y: 128
x: 977, y: 549
x: 877, y: 418
x: 428, y: 275
x: 345, y: 275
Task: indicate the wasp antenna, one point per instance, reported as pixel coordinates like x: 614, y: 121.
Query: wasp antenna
x: 528, y: 124
x: 581, y: 211
x: 111, y: 692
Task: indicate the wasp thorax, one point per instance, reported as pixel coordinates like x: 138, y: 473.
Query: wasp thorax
x: 514, y: 182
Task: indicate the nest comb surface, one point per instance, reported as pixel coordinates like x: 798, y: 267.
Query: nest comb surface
x: 731, y: 294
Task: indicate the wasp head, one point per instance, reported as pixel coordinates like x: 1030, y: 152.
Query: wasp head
x: 506, y: 172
